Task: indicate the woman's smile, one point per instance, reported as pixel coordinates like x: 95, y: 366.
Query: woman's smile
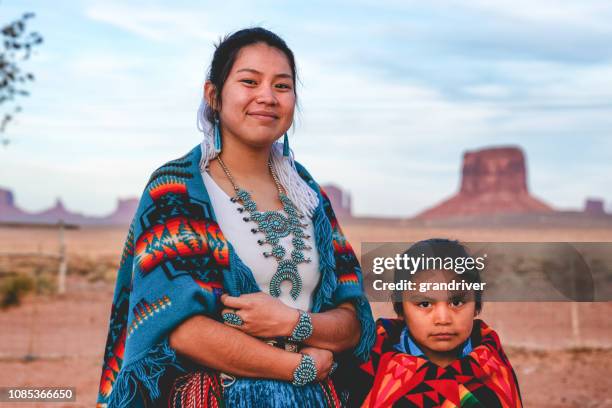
x: 263, y: 116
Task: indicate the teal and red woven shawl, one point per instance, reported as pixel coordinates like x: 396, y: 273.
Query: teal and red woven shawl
x: 176, y: 263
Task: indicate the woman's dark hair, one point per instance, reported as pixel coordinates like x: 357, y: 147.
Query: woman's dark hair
x: 227, y: 51
x: 437, y: 248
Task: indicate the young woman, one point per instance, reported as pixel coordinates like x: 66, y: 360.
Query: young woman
x: 236, y: 286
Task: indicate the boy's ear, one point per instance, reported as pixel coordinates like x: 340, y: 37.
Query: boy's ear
x: 398, y: 307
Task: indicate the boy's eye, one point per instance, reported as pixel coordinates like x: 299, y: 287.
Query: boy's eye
x: 424, y: 304
x: 457, y: 303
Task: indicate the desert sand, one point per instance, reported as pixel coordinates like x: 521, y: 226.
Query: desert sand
x: 52, y: 340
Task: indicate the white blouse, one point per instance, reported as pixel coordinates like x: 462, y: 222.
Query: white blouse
x: 238, y: 233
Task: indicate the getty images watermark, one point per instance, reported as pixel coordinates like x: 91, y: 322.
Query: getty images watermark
x: 510, y: 271
x: 407, y: 264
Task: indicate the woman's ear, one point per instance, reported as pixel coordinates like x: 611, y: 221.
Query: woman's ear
x: 210, y: 94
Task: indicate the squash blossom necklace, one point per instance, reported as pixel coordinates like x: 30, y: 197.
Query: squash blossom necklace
x: 276, y: 225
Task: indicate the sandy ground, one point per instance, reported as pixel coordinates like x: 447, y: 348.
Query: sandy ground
x: 66, y: 334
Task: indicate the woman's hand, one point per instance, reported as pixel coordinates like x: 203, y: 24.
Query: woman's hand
x: 323, y: 360
x: 234, y: 353
x: 262, y: 315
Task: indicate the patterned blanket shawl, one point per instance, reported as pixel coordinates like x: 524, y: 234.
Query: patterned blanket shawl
x: 482, y: 379
x: 176, y: 263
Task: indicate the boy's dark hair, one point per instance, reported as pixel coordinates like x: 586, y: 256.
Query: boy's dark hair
x: 438, y: 248
x: 227, y: 50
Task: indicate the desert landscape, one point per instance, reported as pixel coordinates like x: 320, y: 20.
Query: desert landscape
x: 58, y: 340
x: 561, y: 351
x: 484, y: 122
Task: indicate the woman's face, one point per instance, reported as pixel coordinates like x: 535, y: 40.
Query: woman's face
x: 258, y: 97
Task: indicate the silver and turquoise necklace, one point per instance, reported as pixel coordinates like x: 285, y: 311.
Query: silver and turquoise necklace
x: 276, y: 225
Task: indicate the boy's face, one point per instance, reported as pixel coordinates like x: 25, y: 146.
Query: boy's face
x: 439, y: 321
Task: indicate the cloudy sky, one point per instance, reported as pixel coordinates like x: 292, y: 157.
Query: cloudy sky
x: 392, y: 93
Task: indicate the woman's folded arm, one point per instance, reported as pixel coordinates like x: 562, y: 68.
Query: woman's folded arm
x: 220, y: 347
x: 335, y: 330
x: 265, y: 316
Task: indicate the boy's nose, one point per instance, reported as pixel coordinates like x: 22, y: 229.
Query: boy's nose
x: 442, y: 314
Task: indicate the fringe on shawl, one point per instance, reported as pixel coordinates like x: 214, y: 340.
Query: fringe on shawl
x: 199, y: 389
x: 147, y: 372
x: 368, y: 329
x: 323, y: 239
x: 246, y: 393
x: 327, y: 263
x: 240, y: 279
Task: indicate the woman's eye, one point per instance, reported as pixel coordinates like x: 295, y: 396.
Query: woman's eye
x: 424, y: 305
x: 283, y: 86
x: 248, y: 81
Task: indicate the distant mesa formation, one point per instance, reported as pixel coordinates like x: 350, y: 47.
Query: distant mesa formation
x: 340, y: 200
x: 9, y: 212
x: 493, y: 189
x: 494, y: 181
x: 126, y: 208
x: 594, y: 206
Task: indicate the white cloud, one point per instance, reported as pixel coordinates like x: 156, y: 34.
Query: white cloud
x: 96, y: 65
x: 593, y: 14
x: 160, y: 24
x: 488, y: 91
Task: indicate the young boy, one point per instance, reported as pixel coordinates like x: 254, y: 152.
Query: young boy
x: 437, y: 354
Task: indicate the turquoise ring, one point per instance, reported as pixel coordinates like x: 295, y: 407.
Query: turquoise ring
x: 232, y: 318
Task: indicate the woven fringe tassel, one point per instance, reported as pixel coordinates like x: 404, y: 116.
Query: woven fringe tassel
x: 248, y: 393
x: 327, y: 262
x: 147, y: 371
x: 368, y: 329
x: 330, y: 393
x: 196, y: 390
x: 240, y: 280
x: 298, y: 191
x: 327, y: 265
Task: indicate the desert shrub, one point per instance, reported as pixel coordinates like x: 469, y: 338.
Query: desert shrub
x: 46, y: 283
x: 13, y: 288
x: 103, y: 271
x: 102, y: 268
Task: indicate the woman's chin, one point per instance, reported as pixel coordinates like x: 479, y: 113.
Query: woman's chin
x: 260, y: 143
x: 259, y: 140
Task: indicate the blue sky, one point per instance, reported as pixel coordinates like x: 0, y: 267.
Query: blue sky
x: 392, y: 93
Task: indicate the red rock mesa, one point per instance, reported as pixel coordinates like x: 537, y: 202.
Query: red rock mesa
x: 494, y: 181
x: 340, y: 200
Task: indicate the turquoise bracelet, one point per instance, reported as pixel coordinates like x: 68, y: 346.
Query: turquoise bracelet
x: 306, y: 371
x: 303, y: 328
